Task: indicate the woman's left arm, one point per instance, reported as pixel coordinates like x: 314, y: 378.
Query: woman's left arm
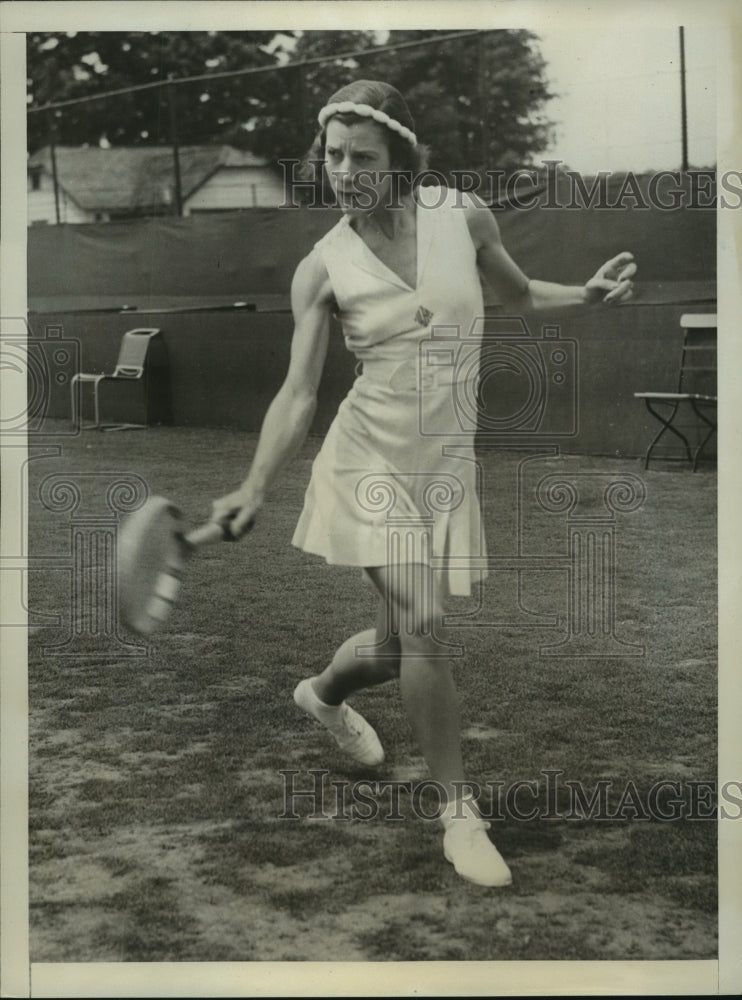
x: 611, y: 283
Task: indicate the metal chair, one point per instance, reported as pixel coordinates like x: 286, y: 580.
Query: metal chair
x: 130, y: 368
x: 696, y: 390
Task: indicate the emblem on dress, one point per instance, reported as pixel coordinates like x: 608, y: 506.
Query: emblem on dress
x: 423, y: 316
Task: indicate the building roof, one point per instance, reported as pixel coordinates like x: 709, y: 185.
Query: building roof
x: 128, y: 178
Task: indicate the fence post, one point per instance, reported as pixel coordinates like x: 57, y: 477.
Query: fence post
x: 53, y: 154
x: 171, y: 102
x: 683, y: 103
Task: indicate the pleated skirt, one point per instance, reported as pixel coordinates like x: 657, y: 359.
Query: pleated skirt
x: 396, y: 481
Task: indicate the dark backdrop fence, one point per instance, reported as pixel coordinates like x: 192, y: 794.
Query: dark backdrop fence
x: 256, y: 251
x: 225, y: 364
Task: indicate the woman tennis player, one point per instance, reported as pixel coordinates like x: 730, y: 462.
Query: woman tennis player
x: 401, y: 261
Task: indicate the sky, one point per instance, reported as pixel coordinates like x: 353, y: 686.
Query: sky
x: 619, y: 106
x: 618, y: 85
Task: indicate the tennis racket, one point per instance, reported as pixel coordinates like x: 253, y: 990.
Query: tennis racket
x: 152, y: 554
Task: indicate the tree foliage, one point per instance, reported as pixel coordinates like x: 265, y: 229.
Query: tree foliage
x: 479, y: 101
x: 68, y: 66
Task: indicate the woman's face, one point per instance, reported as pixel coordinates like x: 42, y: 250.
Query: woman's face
x: 355, y: 156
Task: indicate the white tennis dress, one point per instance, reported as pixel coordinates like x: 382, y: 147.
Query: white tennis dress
x: 396, y: 479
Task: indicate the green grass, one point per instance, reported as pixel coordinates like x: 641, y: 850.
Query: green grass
x: 155, y: 830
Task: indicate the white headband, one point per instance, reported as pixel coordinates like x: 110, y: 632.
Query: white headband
x: 366, y: 111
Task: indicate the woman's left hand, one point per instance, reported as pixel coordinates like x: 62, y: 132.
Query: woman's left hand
x: 612, y: 282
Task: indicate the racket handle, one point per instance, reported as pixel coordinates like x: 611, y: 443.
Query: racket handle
x: 211, y: 532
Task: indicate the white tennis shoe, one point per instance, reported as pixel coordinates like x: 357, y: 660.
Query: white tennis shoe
x: 350, y: 730
x: 473, y: 855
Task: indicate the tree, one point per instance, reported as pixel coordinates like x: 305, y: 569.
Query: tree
x: 479, y: 101
x: 286, y: 129
x: 69, y: 65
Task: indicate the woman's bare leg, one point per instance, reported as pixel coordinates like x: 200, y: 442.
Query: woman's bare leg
x: 432, y: 706
x: 407, y: 641
x: 364, y: 660
x: 428, y: 692
x: 368, y: 658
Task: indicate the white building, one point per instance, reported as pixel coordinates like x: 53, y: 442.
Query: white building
x: 241, y: 180
x: 101, y: 185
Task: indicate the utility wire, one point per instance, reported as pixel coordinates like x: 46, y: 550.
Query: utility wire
x: 254, y: 70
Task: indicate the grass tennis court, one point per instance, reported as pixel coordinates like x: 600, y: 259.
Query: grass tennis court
x: 156, y: 785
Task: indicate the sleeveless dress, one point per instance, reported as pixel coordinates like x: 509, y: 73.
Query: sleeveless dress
x: 396, y: 479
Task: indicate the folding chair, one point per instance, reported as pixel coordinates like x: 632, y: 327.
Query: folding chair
x: 696, y: 389
x: 131, y: 368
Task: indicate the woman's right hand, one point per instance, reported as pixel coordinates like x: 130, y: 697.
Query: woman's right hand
x: 237, y: 511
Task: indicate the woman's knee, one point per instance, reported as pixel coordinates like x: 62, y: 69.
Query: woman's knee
x: 423, y: 635
x: 410, y: 612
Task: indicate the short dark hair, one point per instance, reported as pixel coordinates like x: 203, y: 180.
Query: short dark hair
x: 409, y: 160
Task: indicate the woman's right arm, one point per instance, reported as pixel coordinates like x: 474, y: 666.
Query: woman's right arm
x: 290, y: 414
